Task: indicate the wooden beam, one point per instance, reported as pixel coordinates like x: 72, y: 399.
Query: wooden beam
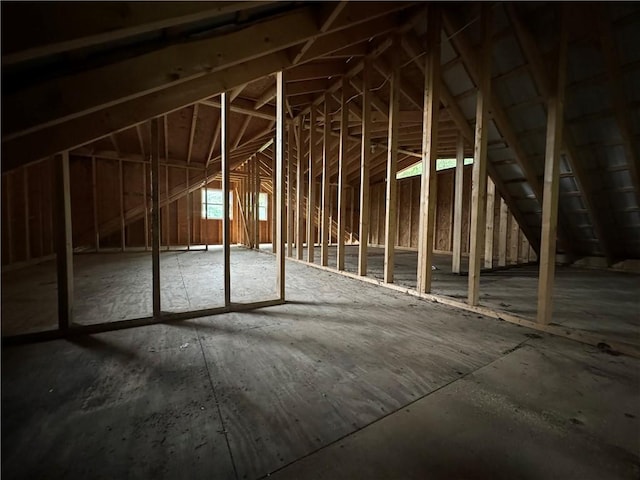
x: 344, y: 131
x: 121, y: 198
x: 155, y: 216
x: 392, y: 164
x: 601, y: 223
x: 237, y: 91
x: 140, y: 141
x: 290, y: 222
x: 365, y: 161
x: 500, y: 118
x: 279, y: 185
x: 192, y: 132
x: 64, y: 241
x: 94, y: 187
x: 325, y: 227
x: 226, y: 225
x: 243, y: 129
x: 274, y: 223
x: 145, y: 200
x: 311, y: 195
x: 456, y: 258
x: 555, y: 113
x: 429, y: 180
x: 256, y: 201
x: 189, y: 212
x: 488, y: 238
x: 513, y: 241
x: 479, y: 187
x: 620, y: 103
x: 60, y: 27
x: 502, y: 238
x: 299, y: 193
x: 74, y: 132
x: 329, y: 18
x: 153, y: 71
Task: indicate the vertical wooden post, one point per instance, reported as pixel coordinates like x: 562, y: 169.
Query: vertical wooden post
x: 311, y: 196
x: 513, y: 240
x: 429, y: 181
x: 344, y: 132
x: 331, y: 202
x: 146, y: 206
x: 290, y: 224
x: 488, y: 238
x: 189, y: 209
x: 502, y: 238
x: 392, y: 166
x: 278, y: 188
x: 168, y: 205
x: 326, y: 194
x: 272, y: 210
x: 479, y: 187
x: 64, y: 242
x: 299, y: 192
x: 122, y: 225
x: 155, y: 217
x: 94, y: 185
x: 352, y: 194
x: 256, y: 202
x: 365, y: 162
x: 25, y: 193
x: 555, y: 115
x: 206, y: 210
x: 457, y: 213
x: 225, y: 144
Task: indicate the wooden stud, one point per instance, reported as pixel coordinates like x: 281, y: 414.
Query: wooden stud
x: 155, y: 216
x: 279, y: 186
x: 502, y: 237
x: 326, y: 193
x: 192, y: 132
x: 94, y: 186
x: 365, y: 166
x: 25, y: 192
x: 167, y: 205
x: 206, y: 210
x: 290, y: 224
x: 256, y: 202
x: 344, y: 131
x: 272, y: 210
x: 188, y: 213
x: 145, y: 201
x: 457, y: 216
x: 513, y: 241
x: 429, y: 180
x: 392, y: 166
x: 226, y: 230
x: 311, y: 196
x: 122, y: 223
x: 299, y: 192
x: 555, y: 115
x: 488, y: 238
x: 479, y: 186
x: 64, y: 242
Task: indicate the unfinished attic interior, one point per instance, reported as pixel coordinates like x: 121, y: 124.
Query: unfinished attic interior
x: 320, y: 240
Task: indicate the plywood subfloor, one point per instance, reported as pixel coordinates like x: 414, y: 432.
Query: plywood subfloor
x: 242, y: 395
x: 117, y: 286
x: 599, y: 302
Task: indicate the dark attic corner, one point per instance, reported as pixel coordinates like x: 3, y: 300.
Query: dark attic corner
x: 320, y: 240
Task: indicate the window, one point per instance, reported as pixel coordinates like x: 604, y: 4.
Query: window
x: 441, y: 164
x: 212, y: 204
x: 263, y: 203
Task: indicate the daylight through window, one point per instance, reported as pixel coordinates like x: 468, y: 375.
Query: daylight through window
x: 212, y: 207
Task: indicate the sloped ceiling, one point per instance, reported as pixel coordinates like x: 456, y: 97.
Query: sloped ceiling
x: 599, y: 210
